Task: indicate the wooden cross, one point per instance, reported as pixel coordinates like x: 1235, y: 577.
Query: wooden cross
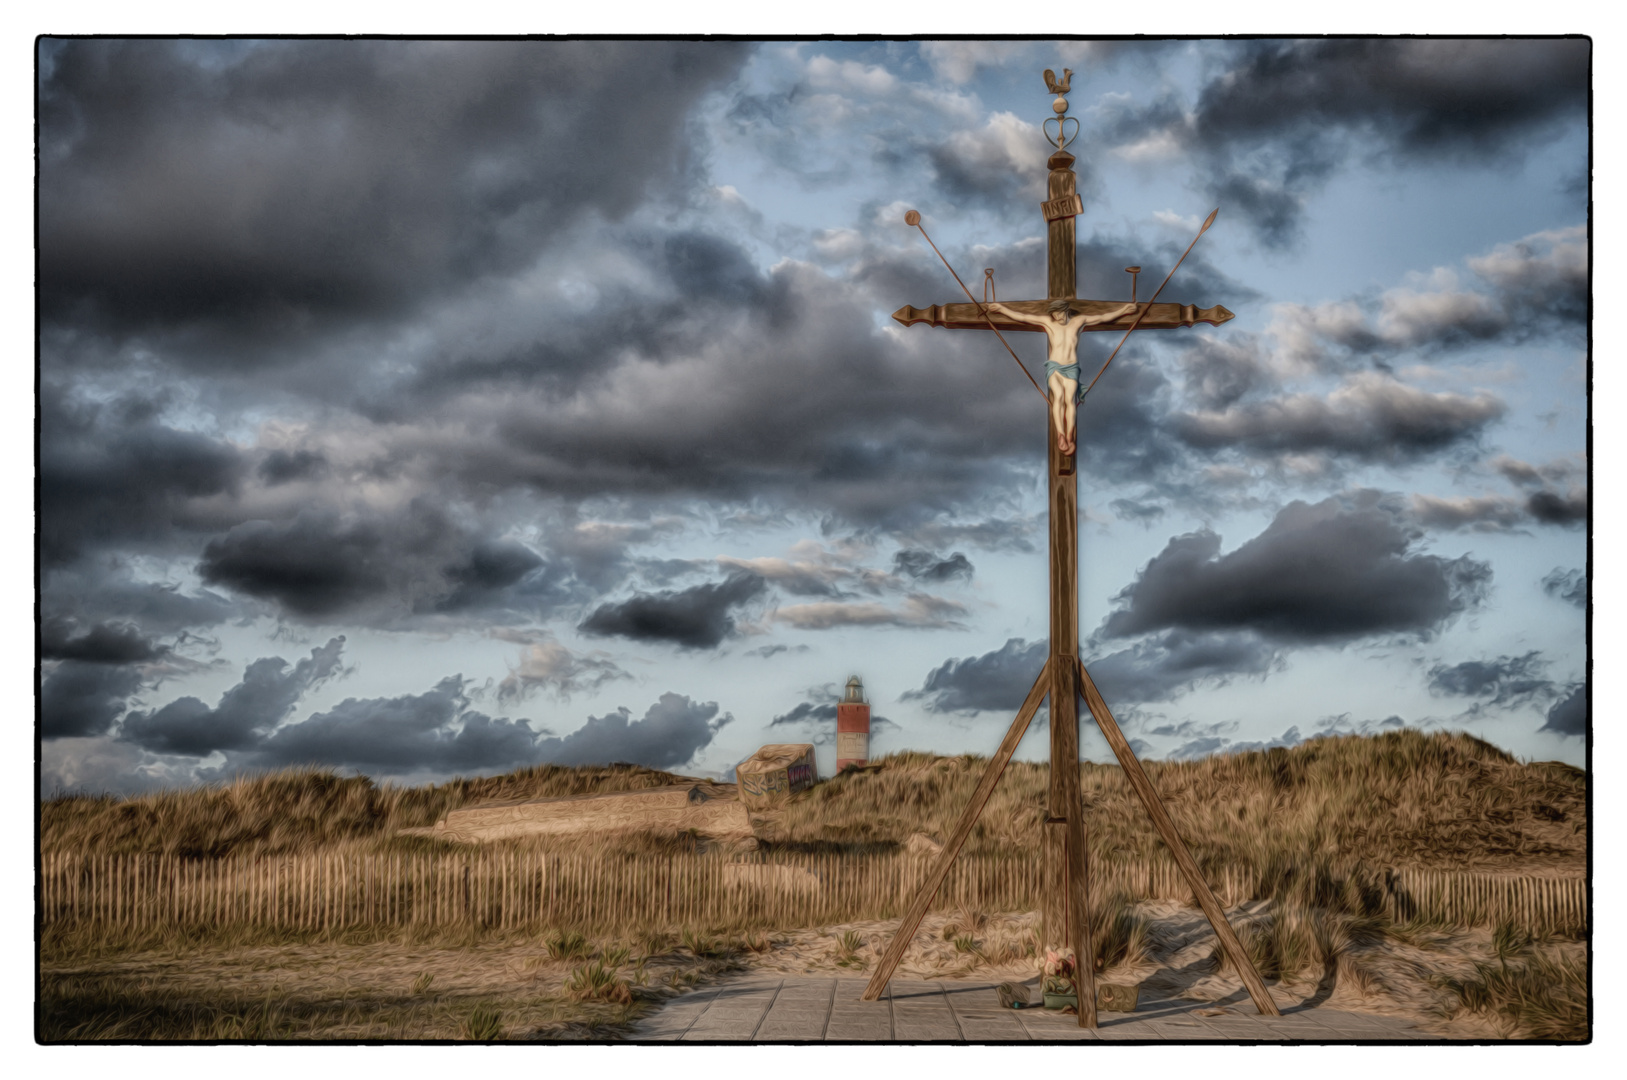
x: 1063, y: 677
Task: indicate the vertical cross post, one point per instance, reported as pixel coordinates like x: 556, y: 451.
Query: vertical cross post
x: 1064, y: 796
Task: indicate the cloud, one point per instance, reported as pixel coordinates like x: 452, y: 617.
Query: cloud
x: 1551, y: 508
x: 1569, y: 716
x: 815, y: 572
x: 322, y: 566
x: 98, y: 766
x: 260, y: 187
x: 1507, y: 681
x: 268, y: 693
x: 1276, y: 118
x: 695, y: 618
x: 997, y: 681
x: 1567, y: 585
x: 671, y: 733
x: 115, y: 471
x: 1521, y: 290
x: 1488, y: 513
x: 1219, y: 371
x: 926, y: 565
x: 996, y: 163
x: 285, y: 466
x: 437, y: 732
x: 433, y: 731
x: 550, y: 666
x: 1335, y: 571
x: 102, y: 643
x: 1370, y: 417
x: 919, y: 611
x: 1164, y: 667
x: 99, y: 592
x: 82, y: 698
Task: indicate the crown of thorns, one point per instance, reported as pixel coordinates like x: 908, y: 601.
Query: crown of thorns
x: 1060, y: 305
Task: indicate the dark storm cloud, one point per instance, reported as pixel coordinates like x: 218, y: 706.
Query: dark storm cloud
x: 1570, y: 715
x: 491, y: 567
x: 1163, y: 668
x: 1339, y: 570
x: 281, y: 466
x: 1369, y: 418
x: 115, y: 473
x: 84, y: 698
x: 1506, y: 681
x: 694, y: 618
x: 268, y: 693
x: 1283, y: 115
x: 671, y: 733
x: 101, y: 643
x: 1567, y: 585
x: 321, y: 566
x: 930, y: 566
x: 997, y: 681
x: 404, y: 734
x: 485, y: 149
x: 1552, y: 508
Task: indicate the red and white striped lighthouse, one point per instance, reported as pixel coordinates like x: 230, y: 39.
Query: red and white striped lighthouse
x: 852, y: 727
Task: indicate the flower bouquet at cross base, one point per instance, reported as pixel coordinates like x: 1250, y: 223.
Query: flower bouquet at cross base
x: 1058, y: 985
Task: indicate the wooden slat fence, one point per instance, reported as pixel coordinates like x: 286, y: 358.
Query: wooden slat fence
x: 1532, y: 903
x: 517, y: 890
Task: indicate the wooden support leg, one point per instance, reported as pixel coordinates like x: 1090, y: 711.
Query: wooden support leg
x: 1166, y: 828
x: 929, y: 888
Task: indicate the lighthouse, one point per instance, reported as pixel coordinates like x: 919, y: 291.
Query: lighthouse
x: 852, y: 727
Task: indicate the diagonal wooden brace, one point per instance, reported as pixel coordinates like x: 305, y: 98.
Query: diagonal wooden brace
x: 963, y: 828
x: 1142, y: 784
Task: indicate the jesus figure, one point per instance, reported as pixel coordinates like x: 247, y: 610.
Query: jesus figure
x: 1061, y: 328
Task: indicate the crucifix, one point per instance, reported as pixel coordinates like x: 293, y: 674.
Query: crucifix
x: 1063, y: 677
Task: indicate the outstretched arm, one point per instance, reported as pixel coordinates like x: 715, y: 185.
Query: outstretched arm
x: 1017, y: 316
x: 1116, y: 313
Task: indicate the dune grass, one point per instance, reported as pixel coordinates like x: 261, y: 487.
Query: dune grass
x: 1445, y: 799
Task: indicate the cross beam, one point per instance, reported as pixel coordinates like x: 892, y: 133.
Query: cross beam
x: 1063, y: 678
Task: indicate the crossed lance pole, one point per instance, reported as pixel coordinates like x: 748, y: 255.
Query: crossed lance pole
x: 1063, y: 677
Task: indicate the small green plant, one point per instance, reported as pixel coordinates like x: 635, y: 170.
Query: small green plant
x: 420, y: 985
x: 702, y: 946
x: 847, y: 949
x: 615, y: 958
x: 568, y: 945
x: 965, y: 944
x: 1508, y: 941
x: 596, y: 982
x: 483, y: 1024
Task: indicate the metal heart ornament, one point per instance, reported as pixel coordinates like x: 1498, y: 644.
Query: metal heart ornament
x: 1061, y: 139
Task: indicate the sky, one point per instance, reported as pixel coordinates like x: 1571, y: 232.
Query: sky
x: 420, y: 409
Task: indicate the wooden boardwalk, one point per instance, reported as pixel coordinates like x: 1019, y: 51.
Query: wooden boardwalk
x: 797, y: 1009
